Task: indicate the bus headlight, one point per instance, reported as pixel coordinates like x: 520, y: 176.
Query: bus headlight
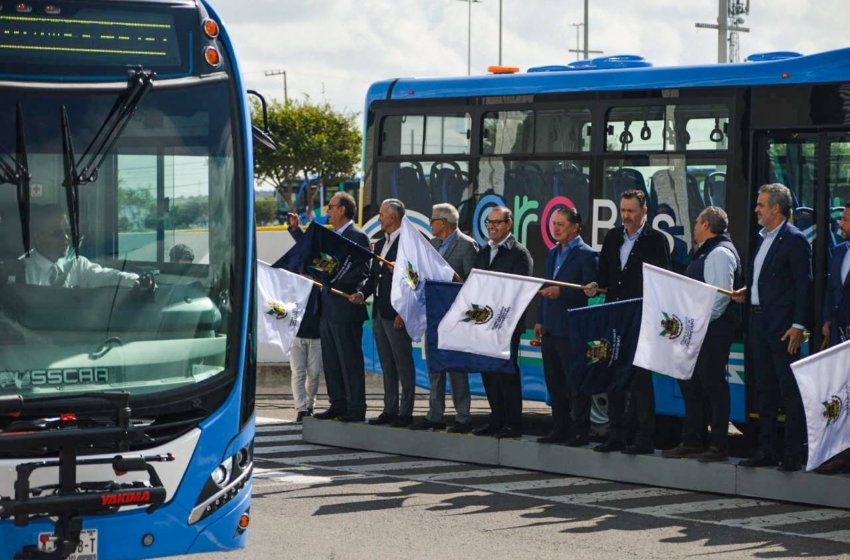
x: 226, y: 481
x: 221, y: 474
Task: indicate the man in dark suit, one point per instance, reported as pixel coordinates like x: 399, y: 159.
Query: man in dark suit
x: 341, y: 323
x: 395, y: 348
x: 625, y: 249
x: 504, y: 253
x: 460, y: 251
x: 779, y: 284
x: 574, y: 262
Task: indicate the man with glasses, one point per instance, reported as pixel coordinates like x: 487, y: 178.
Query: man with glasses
x: 504, y: 253
x: 50, y: 264
x: 460, y: 251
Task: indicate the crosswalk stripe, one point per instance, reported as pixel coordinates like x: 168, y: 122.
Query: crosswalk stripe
x: 537, y: 484
x: 297, y: 478
x: 479, y: 473
x: 331, y: 458
x: 697, y: 507
x: 617, y: 495
x: 281, y: 428
x: 839, y: 536
x: 411, y: 465
x: 263, y: 421
x: 787, y: 518
x: 289, y: 449
x: 272, y: 439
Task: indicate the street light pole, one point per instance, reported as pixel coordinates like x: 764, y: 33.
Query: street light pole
x: 469, y: 36
x: 500, y: 32
x: 280, y: 73
x: 578, y: 27
x: 586, y: 32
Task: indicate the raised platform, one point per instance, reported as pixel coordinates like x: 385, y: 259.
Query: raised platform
x: 651, y: 470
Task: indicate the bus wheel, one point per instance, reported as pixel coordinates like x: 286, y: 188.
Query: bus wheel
x: 599, y: 416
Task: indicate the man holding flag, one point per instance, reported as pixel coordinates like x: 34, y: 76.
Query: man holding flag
x: 716, y: 262
x: 459, y: 251
x: 779, y: 282
x: 504, y: 253
x: 571, y: 261
x: 341, y: 323
x: 395, y: 348
x: 625, y: 250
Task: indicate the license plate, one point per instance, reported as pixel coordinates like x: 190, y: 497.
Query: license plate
x: 86, y: 550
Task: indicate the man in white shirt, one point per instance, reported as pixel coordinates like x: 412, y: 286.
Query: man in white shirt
x: 49, y: 264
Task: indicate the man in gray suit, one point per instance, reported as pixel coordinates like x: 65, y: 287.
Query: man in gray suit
x: 459, y: 250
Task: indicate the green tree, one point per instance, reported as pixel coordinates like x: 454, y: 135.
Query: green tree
x: 265, y: 210
x: 315, y: 141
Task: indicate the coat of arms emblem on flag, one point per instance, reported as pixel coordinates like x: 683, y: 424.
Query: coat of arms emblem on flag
x: 325, y: 264
x: 411, y: 276
x: 597, y: 350
x: 481, y: 314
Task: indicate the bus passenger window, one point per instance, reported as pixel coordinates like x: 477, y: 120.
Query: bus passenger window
x: 403, y: 135
x: 508, y: 132
x: 706, y: 126
x: 562, y: 131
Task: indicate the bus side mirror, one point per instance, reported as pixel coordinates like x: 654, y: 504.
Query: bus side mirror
x: 263, y: 136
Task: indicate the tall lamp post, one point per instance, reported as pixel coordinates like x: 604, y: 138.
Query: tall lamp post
x: 578, y: 27
x: 469, y: 37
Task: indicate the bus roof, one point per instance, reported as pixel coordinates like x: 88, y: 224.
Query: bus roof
x: 831, y: 66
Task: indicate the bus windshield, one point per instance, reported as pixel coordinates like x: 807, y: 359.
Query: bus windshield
x: 144, y: 305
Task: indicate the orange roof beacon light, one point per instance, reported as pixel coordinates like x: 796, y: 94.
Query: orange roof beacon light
x: 23, y: 8
x: 211, y: 28
x: 212, y: 56
x: 52, y: 10
x: 502, y: 69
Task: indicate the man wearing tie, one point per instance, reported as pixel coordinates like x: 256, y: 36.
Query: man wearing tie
x: 779, y: 283
x: 574, y: 262
x: 460, y: 251
x: 504, y: 253
x: 341, y: 322
x: 395, y: 348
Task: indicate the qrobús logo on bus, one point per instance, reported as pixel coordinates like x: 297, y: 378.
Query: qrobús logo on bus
x: 53, y: 377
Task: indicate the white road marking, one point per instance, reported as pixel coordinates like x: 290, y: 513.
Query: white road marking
x: 289, y: 449
x: 537, y: 484
x: 272, y: 439
x: 615, y: 495
x: 261, y: 421
x: 697, y: 507
x: 838, y: 536
x: 331, y: 458
x: 479, y: 473
x: 412, y: 465
x: 788, y: 518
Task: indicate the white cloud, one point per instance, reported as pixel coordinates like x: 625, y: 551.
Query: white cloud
x: 334, y: 49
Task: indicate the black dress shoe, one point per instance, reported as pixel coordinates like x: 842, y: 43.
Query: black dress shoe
x: 351, y: 417
x: 554, y: 437
x: 578, y: 441
x: 759, y: 461
x: 487, y: 430
x: 791, y: 464
x: 638, y: 450
x: 401, y: 422
x: 382, y: 420
x: 329, y: 414
x: 301, y: 415
x: 426, y: 424
x: 609, y: 446
x: 508, y: 433
x: 460, y: 428
x: 309, y: 412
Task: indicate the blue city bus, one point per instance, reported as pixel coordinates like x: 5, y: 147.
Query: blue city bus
x: 581, y: 134
x: 126, y: 409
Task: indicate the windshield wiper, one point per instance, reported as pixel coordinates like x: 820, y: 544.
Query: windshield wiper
x: 14, y: 170
x: 138, y: 86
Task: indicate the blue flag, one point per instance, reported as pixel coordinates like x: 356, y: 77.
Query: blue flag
x: 323, y: 254
x: 602, y: 344
x: 439, y: 297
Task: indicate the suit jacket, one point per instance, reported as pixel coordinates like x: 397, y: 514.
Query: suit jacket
x: 337, y: 309
x: 381, y: 276
x: 785, y: 281
x: 650, y: 247
x: 834, y: 287
x: 460, y: 254
x: 580, y: 267
x: 512, y: 258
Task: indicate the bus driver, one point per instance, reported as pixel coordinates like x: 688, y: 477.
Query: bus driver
x: 49, y: 264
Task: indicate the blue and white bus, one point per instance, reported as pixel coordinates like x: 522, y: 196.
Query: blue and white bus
x: 126, y: 411
x: 581, y: 134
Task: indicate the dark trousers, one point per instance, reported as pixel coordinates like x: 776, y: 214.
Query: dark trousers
x: 395, y: 350
x: 775, y: 385
x: 707, y: 392
x: 640, y: 413
x: 570, y: 411
x: 342, y: 356
x: 504, y: 393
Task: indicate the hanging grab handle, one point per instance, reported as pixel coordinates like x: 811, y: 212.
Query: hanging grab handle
x: 716, y: 134
x: 645, y: 132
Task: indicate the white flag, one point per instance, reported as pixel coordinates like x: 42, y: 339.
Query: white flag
x: 281, y: 302
x: 824, y: 381
x: 676, y: 314
x: 483, y: 317
x: 416, y: 261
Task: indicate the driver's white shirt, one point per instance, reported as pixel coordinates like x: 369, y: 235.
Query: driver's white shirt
x: 75, y: 272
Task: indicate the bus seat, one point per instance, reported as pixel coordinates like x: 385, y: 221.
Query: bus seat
x: 841, y: 191
x: 449, y: 183
x: 714, y: 189
x: 696, y: 204
x: 408, y: 185
x: 573, y: 184
x: 804, y: 220
x: 622, y: 180
x: 526, y: 180
x: 667, y: 189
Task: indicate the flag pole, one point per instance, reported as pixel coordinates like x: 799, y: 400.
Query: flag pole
x: 571, y: 286
x: 319, y: 284
x: 392, y: 265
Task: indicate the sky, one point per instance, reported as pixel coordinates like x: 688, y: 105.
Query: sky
x: 334, y: 49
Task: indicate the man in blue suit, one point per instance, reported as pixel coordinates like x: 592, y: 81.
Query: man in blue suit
x: 574, y: 262
x: 779, y: 284
x: 835, y: 307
